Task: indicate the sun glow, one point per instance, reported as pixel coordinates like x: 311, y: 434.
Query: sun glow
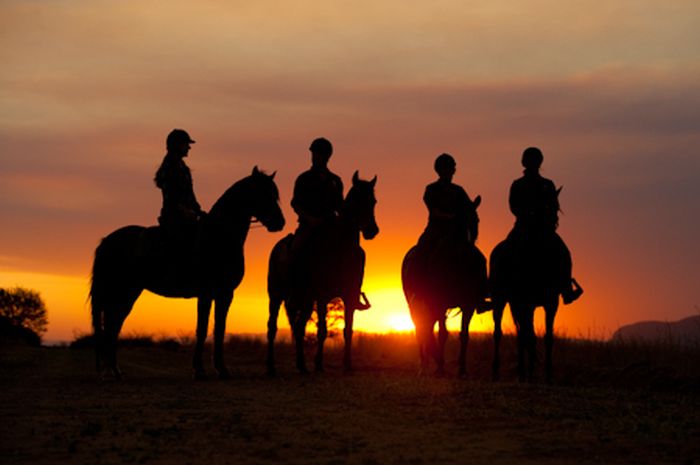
x: 400, y: 323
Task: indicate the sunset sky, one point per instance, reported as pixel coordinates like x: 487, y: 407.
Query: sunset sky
x: 610, y: 91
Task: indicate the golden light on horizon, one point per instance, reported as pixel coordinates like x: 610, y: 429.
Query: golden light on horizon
x: 401, y: 323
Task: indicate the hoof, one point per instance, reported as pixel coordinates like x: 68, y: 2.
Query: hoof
x: 199, y: 375
x: 302, y: 369
x: 111, y: 374
x: 224, y: 374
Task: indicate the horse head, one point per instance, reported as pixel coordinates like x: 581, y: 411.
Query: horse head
x: 359, y: 205
x: 264, y: 198
x: 473, y: 219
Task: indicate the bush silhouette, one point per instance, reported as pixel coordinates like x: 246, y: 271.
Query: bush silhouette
x: 22, y: 312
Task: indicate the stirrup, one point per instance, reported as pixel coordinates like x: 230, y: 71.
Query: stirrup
x: 363, y: 302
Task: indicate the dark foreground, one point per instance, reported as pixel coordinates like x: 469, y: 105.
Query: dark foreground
x: 610, y: 404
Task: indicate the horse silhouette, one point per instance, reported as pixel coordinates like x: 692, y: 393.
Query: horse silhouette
x: 333, y: 268
x: 131, y: 259
x: 526, y: 273
x: 434, y: 280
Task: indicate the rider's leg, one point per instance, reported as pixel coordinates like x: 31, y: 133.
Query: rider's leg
x: 569, y: 288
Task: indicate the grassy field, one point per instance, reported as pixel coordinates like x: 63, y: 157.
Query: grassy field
x: 610, y: 403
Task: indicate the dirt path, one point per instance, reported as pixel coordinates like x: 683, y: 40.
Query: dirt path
x: 53, y: 410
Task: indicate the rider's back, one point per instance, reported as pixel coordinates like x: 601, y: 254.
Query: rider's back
x: 533, y: 200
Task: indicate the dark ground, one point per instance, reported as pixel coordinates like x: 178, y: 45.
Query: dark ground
x: 611, y: 403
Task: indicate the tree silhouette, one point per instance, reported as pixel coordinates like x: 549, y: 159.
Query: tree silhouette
x: 24, y: 308
x: 334, y: 316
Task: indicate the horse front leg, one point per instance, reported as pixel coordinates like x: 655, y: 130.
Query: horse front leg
x: 221, y: 307
x: 203, y: 309
x: 321, y: 333
x: 464, y: 341
x: 274, y: 310
x: 498, y: 307
x: 347, y: 336
x: 550, y: 312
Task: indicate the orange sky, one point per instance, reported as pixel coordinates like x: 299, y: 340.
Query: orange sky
x: 88, y: 91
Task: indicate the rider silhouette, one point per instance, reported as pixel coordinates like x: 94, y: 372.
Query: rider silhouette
x: 534, y: 201
x: 318, y: 193
x: 446, y: 246
x: 317, y: 200
x: 180, y: 211
x: 450, y: 210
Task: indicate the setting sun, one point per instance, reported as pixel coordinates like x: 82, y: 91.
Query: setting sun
x: 401, y: 323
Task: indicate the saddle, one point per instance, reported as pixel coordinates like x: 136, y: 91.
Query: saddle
x: 172, y: 257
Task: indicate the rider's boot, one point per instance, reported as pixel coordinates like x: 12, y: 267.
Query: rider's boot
x: 572, y: 293
x: 484, y: 306
x: 361, y: 302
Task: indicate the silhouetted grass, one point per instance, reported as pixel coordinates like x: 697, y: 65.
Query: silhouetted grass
x: 663, y: 364
x: 610, y: 403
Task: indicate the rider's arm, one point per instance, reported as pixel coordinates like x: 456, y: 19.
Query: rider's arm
x: 515, y: 200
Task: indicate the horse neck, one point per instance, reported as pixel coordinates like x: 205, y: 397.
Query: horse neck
x: 348, y: 227
x: 229, y: 218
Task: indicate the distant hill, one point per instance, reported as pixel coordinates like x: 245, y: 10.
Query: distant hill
x: 685, y: 331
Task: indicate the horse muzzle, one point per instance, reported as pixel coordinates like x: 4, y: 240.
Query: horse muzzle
x: 370, y: 232
x: 275, y: 225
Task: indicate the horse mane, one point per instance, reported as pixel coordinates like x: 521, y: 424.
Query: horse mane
x: 228, y: 199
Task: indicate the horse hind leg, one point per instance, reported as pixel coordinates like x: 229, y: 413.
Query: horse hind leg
x: 422, y: 338
x: 523, y: 318
x: 299, y: 315
x: 530, y: 344
x: 423, y: 333
x: 113, y: 320
x: 322, y: 334
x: 274, y: 310
x: 203, y: 310
x: 439, y: 349
x: 347, y: 335
x: 498, y: 308
x: 550, y: 314
x: 464, y: 342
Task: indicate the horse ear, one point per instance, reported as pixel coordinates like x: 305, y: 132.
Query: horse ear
x: 477, y: 201
x: 255, y: 170
x: 355, y: 177
x: 272, y: 176
x: 373, y: 182
x: 559, y: 190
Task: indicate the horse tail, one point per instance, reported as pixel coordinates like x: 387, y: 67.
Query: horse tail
x: 408, y: 275
x: 112, y: 288
x: 97, y: 297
